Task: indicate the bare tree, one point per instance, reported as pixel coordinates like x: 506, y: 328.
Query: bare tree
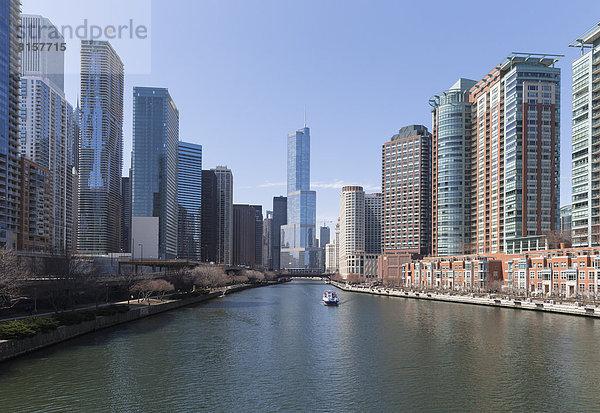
x: 146, y: 288
x: 12, y: 273
x: 558, y: 239
x: 209, y: 276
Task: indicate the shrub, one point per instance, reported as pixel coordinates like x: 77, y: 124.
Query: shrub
x: 18, y: 329
x: 74, y: 317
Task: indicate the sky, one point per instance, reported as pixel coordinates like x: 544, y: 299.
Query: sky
x: 241, y: 73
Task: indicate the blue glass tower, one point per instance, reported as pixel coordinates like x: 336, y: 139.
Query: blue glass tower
x: 154, y: 163
x: 299, y: 249
x: 189, y: 199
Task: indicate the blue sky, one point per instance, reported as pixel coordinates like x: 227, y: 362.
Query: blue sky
x: 240, y: 73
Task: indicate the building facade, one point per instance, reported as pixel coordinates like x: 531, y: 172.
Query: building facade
x: 208, y: 233
x: 373, y: 223
x: 516, y: 130
x: 100, y: 149
x: 36, y: 200
x: 565, y: 219
x: 247, y: 235
x: 126, y: 213
x: 9, y: 123
x: 452, y: 168
x: 189, y: 201
x: 267, y: 241
x: 45, y: 123
x: 279, y: 219
x: 585, y: 176
x: 154, y: 163
x: 224, y: 215
x: 299, y: 249
x: 406, y: 191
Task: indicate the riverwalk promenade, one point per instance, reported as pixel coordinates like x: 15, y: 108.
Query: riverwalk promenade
x: 492, y: 300
x: 137, y: 309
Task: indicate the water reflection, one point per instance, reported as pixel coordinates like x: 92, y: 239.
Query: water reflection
x: 279, y: 348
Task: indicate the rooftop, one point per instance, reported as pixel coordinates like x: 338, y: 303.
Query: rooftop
x: 587, y: 38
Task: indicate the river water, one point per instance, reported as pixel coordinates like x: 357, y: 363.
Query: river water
x: 279, y: 348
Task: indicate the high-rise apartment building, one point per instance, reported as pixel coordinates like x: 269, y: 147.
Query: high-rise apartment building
x: 516, y: 133
x: 406, y: 191
x: 100, y: 149
x: 46, y: 124
x: 586, y: 141
x: 247, y: 235
x: 373, y: 222
x: 352, y: 225
x: 9, y: 122
x: 224, y: 214
x: 452, y: 163
x: 267, y: 240
x: 258, y: 234
x: 299, y: 249
x: 154, y: 163
x: 279, y: 219
x: 126, y: 213
x: 189, y: 201
x: 208, y: 234
x: 34, y: 233
x: 354, y: 257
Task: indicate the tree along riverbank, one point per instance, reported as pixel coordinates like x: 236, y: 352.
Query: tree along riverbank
x: 493, y: 300
x: 48, y: 331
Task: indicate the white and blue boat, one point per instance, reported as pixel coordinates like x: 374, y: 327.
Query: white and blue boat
x: 330, y: 298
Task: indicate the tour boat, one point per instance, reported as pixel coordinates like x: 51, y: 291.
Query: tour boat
x: 330, y: 298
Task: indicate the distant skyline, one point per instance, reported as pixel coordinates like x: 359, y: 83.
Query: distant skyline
x: 241, y: 74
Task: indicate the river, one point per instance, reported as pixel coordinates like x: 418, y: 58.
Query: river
x: 279, y: 348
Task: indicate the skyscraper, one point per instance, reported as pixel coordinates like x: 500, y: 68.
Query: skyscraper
x: 516, y: 133
x: 299, y: 249
x: 190, y: 198
x: 406, y: 186
x: 9, y: 122
x: 208, y: 234
x: 154, y: 163
x: 373, y: 222
x: 452, y: 160
x: 586, y: 141
x: 352, y: 226
x: 247, y: 235
x: 324, y: 236
x: 267, y: 242
x: 126, y: 213
x: 100, y: 149
x: 279, y: 219
x: 354, y: 208
x: 224, y: 214
x: 46, y: 119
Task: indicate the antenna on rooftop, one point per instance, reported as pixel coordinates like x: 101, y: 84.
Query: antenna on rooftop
x: 305, y: 116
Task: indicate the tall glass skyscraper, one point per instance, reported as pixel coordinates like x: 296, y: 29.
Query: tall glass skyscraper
x: 224, y: 215
x: 154, y: 163
x: 189, y: 200
x: 452, y: 188
x: 9, y: 122
x: 299, y: 249
x: 100, y: 149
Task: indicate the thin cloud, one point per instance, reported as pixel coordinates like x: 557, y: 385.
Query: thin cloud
x: 271, y: 184
x: 338, y: 184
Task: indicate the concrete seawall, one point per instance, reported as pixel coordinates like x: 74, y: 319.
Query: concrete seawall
x: 13, y: 348
x: 526, y: 304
